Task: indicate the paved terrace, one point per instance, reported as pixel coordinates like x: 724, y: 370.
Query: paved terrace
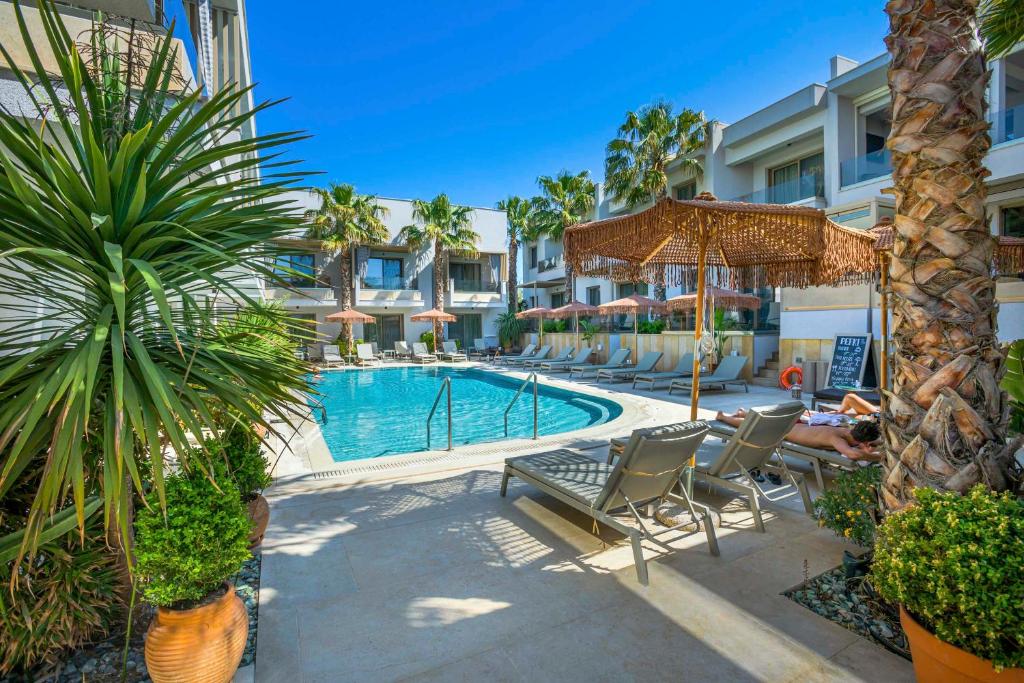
x: 422, y: 572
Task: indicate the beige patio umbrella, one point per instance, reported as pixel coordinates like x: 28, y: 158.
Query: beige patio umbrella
x: 538, y: 312
x: 436, y: 317
x: 350, y: 316
x: 573, y: 310
x: 751, y: 245
x: 717, y: 297
x: 636, y: 305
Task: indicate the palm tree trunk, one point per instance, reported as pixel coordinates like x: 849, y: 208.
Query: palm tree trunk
x: 345, y: 290
x: 944, y: 423
x: 440, y: 284
x: 513, y: 275
x: 660, y: 289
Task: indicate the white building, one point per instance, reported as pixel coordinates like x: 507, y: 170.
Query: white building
x: 821, y: 146
x: 393, y: 282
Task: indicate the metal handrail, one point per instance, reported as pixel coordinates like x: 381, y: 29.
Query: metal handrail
x: 445, y: 383
x: 533, y: 376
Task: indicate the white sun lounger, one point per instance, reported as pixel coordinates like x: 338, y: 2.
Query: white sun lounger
x: 451, y: 352
x: 332, y: 355
x: 421, y: 355
x: 527, y: 353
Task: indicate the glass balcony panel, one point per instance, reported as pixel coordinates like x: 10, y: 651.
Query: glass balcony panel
x: 1007, y: 124
x: 794, y: 190
x: 382, y: 282
x: 475, y: 286
x: 865, y: 167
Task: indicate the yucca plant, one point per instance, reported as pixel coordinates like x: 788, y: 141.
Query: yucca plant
x: 132, y: 214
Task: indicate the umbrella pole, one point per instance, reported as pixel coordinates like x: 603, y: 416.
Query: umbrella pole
x: 699, y: 324
x: 577, y: 319
x: 636, y: 338
x: 884, y: 285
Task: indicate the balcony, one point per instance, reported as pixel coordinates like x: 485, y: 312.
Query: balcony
x: 789, y: 192
x: 388, y: 291
x: 303, y: 294
x: 544, y: 265
x: 474, y: 294
x: 1007, y: 125
x: 865, y: 167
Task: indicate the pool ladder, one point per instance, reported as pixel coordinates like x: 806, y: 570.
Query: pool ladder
x: 446, y: 388
x: 533, y: 376
x: 446, y: 384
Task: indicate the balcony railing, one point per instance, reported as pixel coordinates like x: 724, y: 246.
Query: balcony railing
x: 550, y: 263
x: 804, y: 187
x: 475, y: 286
x: 385, y: 283
x: 1007, y: 124
x: 865, y: 167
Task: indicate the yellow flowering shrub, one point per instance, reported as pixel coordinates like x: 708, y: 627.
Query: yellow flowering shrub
x: 849, y: 508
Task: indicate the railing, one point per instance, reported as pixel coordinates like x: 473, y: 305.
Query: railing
x: 1007, y: 124
x: 788, y: 192
x: 547, y: 264
x: 445, y: 384
x: 390, y: 282
x: 533, y: 376
x: 474, y: 286
x: 865, y: 167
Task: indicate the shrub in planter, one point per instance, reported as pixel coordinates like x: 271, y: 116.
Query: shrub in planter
x: 651, y: 326
x: 428, y: 339
x: 182, y: 562
x: 956, y: 565
x: 850, y: 507
x: 243, y: 450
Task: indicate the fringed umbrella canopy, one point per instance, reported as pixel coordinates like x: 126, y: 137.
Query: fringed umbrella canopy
x: 632, y: 304
x: 724, y: 298
x: 536, y: 312
x: 350, y: 315
x: 1009, y: 250
x: 573, y: 310
x: 433, y: 315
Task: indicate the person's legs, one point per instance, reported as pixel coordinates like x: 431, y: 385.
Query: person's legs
x: 855, y: 405
x: 734, y: 420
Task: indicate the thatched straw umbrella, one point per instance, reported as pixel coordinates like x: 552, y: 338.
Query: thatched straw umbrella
x: 573, y: 309
x: 433, y: 316
x: 754, y: 245
x: 636, y: 305
x: 350, y: 316
x: 538, y: 312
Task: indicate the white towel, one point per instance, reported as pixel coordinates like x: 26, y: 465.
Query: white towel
x: 829, y: 419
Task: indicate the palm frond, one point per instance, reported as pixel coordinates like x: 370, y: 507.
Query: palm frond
x: 1001, y: 26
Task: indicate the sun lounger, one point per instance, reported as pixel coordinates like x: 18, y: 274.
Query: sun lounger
x: 563, y: 355
x: 402, y: 349
x: 728, y: 464
x: 479, y: 350
x: 727, y: 372
x: 527, y: 353
x: 617, y: 360
x: 684, y: 368
x: 646, y: 364
x: 421, y: 355
x: 451, y: 352
x: 580, y: 358
x: 541, y: 354
x: 646, y: 474
x: 365, y: 355
x: 332, y: 355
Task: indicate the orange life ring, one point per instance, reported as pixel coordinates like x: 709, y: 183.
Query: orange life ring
x: 784, y: 377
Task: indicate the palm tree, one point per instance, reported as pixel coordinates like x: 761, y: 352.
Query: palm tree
x: 345, y: 220
x: 637, y: 159
x: 449, y: 229
x: 565, y: 200
x: 944, y: 421
x: 519, y: 215
x: 1002, y: 25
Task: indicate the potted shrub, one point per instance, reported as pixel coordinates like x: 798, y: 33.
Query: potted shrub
x: 955, y: 565
x: 183, y: 561
x: 850, y: 509
x: 244, y: 452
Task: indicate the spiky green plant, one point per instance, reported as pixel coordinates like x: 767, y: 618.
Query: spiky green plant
x: 1001, y: 25
x: 522, y: 227
x: 565, y: 200
x: 129, y: 217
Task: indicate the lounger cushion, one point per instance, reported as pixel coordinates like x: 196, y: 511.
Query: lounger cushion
x: 573, y: 474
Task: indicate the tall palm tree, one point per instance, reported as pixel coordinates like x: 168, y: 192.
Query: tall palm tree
x: 944, y: 421
x: 345, y: 220
x: 449, y: 228
x: 637, y: 159
x: 519, y: 217
x: 1002, y: 25
x: 565, y: 200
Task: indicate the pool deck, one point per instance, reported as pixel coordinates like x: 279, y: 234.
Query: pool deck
x: 423, y: 572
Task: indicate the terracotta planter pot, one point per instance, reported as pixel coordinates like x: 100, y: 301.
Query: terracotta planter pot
x: 201, y: 645
x: 936, y: 661
x: 259, y: 515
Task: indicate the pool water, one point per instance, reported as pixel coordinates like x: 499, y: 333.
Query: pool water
x: 384, y: 411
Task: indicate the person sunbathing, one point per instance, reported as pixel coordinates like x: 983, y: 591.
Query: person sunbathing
x: 857, y: 444
x: 854, y: 405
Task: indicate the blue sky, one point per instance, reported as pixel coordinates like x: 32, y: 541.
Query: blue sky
x: 409, y: 99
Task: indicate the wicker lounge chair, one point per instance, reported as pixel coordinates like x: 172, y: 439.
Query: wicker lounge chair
x: 617, y: 360
x: 727, y: 372
x: 421, y: 355
x: 684, y: 368
x: 647, y: 363
x: 450, y: 352
x: 332, y: 355
x: 527, y: 353
x: 581, y: 358
x: 646, y: 474
x: 541, y: 354
x: 563, y: 355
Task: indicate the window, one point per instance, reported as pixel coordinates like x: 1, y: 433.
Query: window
x: 296, y: 269
x: 686, y: 190
x: 594, y: 296
x: 558, y: 300
x: 629, y: 289
x: 798, y: 180
x: 533, y: 257
x: 1013, y: 221
x: 467, y: 277
x: 383, y: 273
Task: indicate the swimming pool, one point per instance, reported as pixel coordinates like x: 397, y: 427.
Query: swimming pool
x: 384, y: 411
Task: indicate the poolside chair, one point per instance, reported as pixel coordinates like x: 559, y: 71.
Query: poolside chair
x: 580, y: 358
x: 563, y: 355
x: 332, y: 355
x: 527, y: 353
x: 617, y: 360
x: 727, y: 372
x: 541, y: 354
x: 729, y: 463
x: 402, y: 350
x: 645, y: 475
x: 365, y: 355
x: 646, y: 364
x: 421, y: 355
x: 450, y: 352
x: 479, y: 350
x: 684, y: 368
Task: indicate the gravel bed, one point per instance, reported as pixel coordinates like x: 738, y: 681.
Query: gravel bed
x: 101, y: 662
x: 853, y: 604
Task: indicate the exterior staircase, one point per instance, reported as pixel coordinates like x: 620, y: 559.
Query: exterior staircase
x: 768, y: 374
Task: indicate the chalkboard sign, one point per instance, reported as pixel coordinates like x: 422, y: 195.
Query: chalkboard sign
x: 851, y: 354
